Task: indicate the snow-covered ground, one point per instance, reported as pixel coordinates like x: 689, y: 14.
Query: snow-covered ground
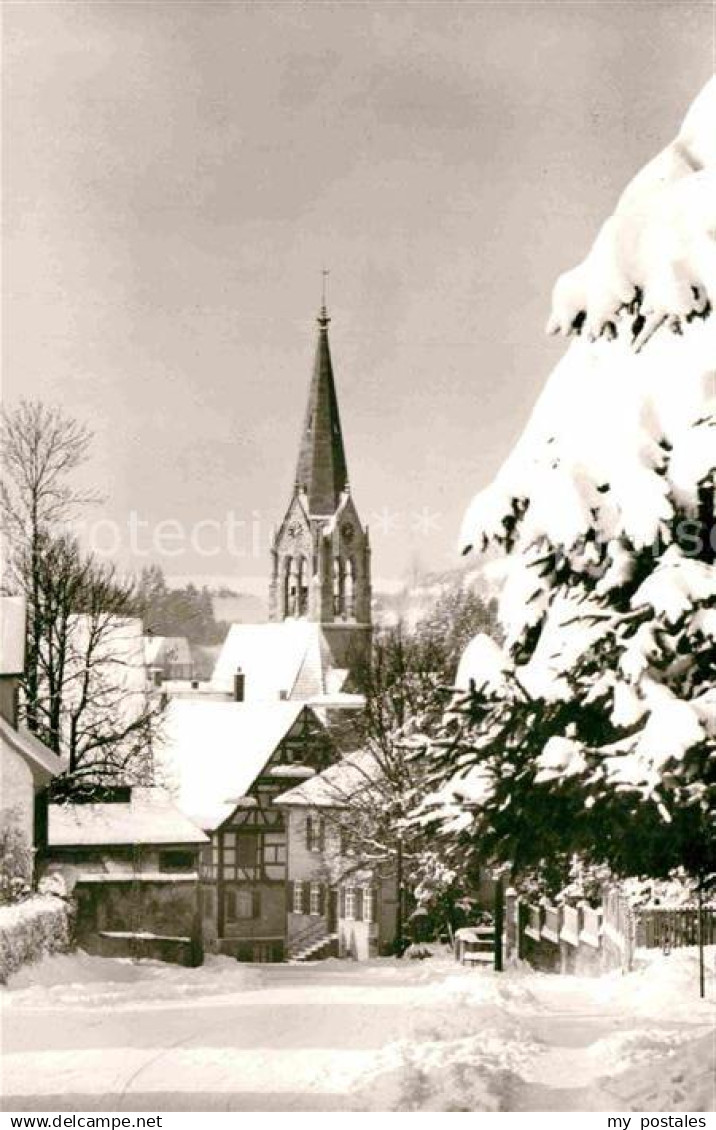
x: 92, y: 1033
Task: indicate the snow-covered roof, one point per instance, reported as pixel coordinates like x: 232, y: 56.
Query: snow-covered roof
x: 184, y: 688
x: 342, y: 700
x: 336, y: 785
x: 286, y: 659
x: 12, y: 635
x: 212, y: 752
x: 42, y: 761
x: 121, y: 676
x: 148, y: 817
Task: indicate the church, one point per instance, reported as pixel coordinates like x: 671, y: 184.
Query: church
x: 320, y: 583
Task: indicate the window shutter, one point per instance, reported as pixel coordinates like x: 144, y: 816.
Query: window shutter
x: 291, y: 896
x: 321, y: 899
x: 309, y: 833
x: 359, y: 904
x: 305, y: 898
x: 343, y: 901
x: 321, y: 833
x: 256, y: 904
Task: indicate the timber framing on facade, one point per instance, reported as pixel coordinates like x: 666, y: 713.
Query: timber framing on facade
x: 244, y: 869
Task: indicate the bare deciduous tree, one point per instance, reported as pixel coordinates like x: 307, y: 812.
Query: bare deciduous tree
x: 40, y: 449
x: 84, y: 690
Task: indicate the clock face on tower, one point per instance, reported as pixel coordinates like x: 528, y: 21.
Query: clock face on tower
x: 347, y: 530
x: 294, y: 529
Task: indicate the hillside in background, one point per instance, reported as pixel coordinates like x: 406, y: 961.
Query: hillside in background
x: 239, y: 607
x: 418, y: 595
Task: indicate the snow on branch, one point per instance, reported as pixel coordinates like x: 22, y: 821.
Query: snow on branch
x: 654, y: 260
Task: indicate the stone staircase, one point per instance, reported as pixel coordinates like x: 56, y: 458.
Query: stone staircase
x: 325, y: 946
x: 313, y: 943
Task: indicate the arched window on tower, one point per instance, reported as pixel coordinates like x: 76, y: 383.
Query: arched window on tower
x: 286, y: 583
x: 350, y: 589
x: 338, y: 594
x: 301, y: 587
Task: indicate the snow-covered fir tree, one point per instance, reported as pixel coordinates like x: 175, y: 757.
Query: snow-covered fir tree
x: 593, y: 729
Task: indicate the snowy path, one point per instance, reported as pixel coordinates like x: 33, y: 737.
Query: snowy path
x: 86, y: 1033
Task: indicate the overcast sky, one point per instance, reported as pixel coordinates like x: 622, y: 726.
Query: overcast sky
x: 177, y: 174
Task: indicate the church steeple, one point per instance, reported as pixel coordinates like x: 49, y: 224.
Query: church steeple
x: 321, y: 470
x: 321, y: 551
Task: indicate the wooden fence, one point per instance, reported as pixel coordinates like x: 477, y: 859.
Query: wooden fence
x: 669, y: 929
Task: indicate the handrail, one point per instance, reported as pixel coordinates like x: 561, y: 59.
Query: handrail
x: 310, y: 934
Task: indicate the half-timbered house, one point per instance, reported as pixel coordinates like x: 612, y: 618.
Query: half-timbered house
x: 226, y: 763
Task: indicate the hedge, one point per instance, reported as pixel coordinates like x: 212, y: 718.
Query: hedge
x: 32, y: 929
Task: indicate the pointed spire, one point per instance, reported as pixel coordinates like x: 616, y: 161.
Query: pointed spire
x: 321, y: 460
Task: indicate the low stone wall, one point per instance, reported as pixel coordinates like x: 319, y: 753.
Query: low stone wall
x: 153, y: 918
x: 31, y: 930
x: 567, y: 939
x: 179, y: 951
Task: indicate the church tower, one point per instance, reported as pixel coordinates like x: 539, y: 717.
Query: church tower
x: 321, y: 552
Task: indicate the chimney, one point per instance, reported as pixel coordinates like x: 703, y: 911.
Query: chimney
x: 283, y: 696
x: 239, y: 685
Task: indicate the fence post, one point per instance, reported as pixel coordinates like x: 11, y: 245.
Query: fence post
x: 702, y: 969
x: 522, y: 919
x: 499, y: 922
x: 511, y: 924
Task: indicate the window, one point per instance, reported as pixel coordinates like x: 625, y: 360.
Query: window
x: 350, y: 902
x: 337, y: 587
x: 298, y: 897
x: 315, y: 900
x: 368, y: 904
x: 246, y: 851
x: 242, y: 903
x: 248, y: 904
x: 263, y: 952
x: 314, y: 833
x: 274, y: 848
x: 240, y: 854
x: 176, y: 860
